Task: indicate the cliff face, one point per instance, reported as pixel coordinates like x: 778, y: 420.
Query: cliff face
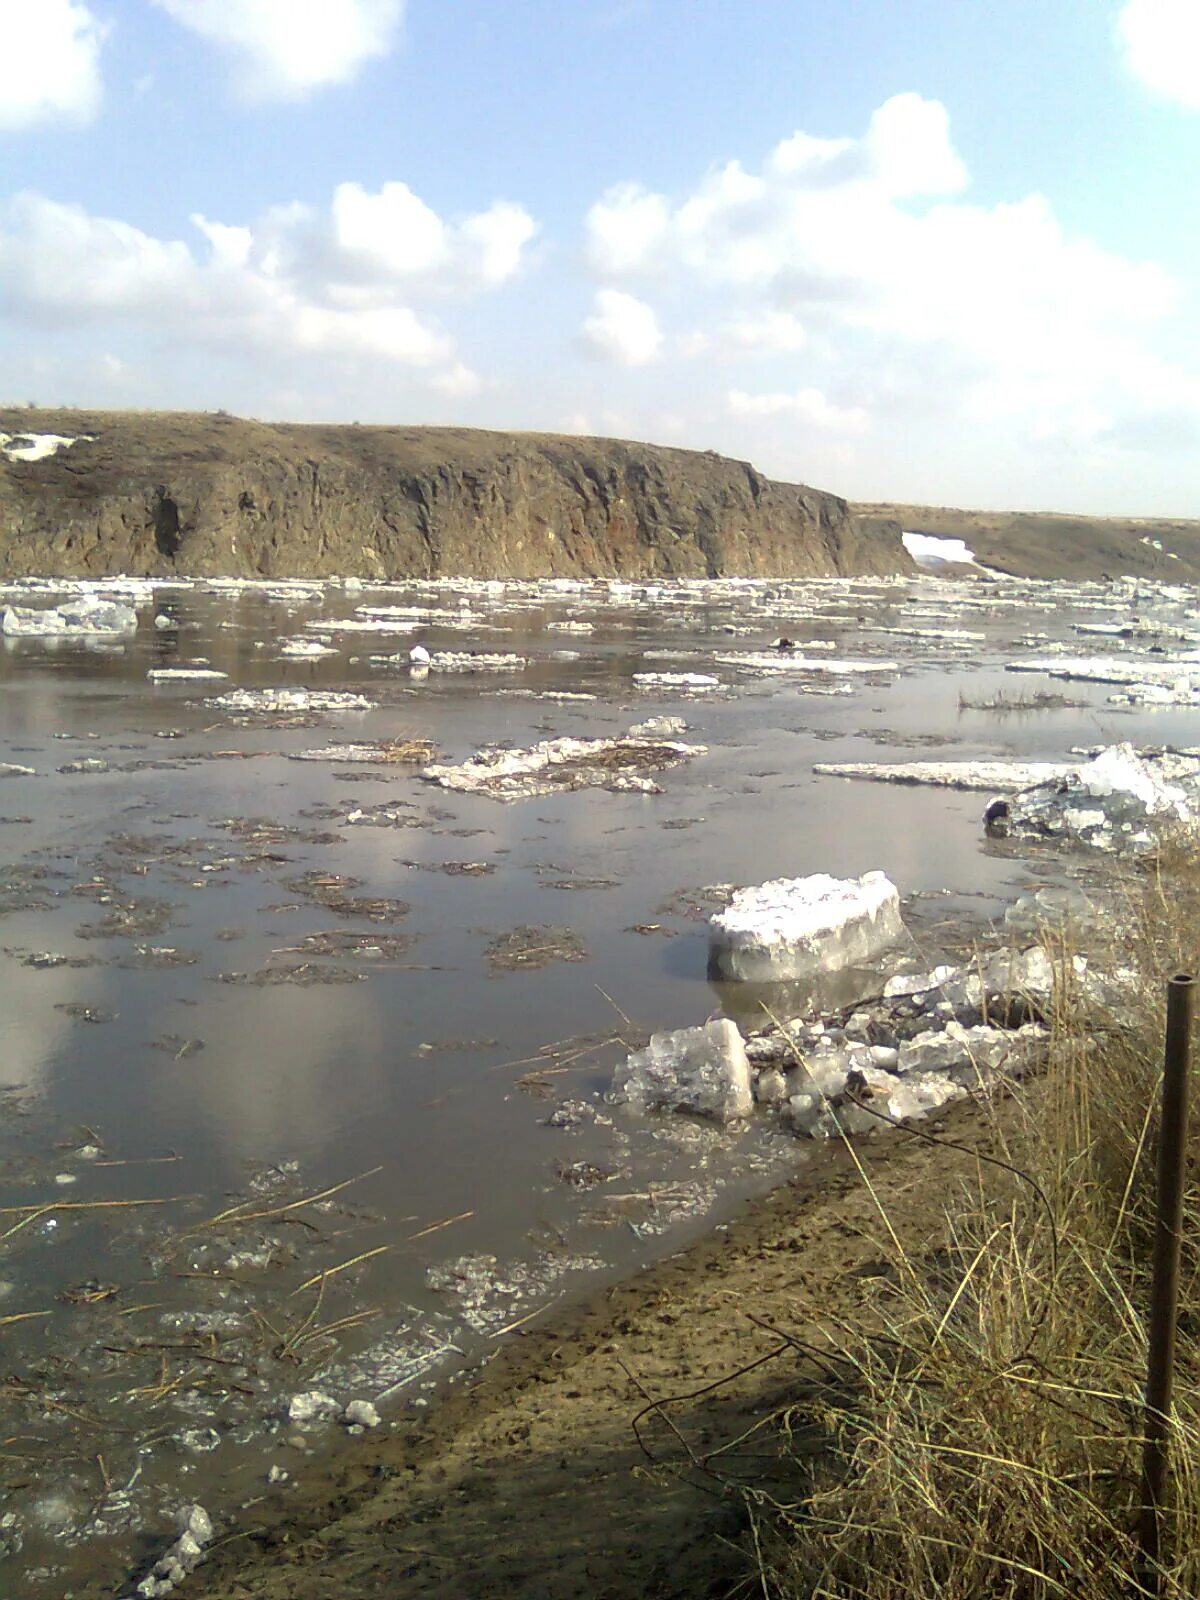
x: 207, y: 494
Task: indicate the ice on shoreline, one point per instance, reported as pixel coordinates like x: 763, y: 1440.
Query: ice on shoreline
x: 796, y: 927
x: 996, y: 777
x: 1111, y: 800
x: 702, y: 1070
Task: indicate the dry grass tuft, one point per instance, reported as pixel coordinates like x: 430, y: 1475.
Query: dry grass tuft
x: 985, y: 1442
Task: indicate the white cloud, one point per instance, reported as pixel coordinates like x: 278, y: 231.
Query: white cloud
x: 285, y: 49
x: 865, y: 254
x: 298, y: 281
x: 763, y: 333
x: 49, y: 63
x: 810, y: 406
x: 1161, y: 39
x: 623, y: 329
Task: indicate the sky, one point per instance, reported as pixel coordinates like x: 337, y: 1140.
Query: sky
x: 916, y: 250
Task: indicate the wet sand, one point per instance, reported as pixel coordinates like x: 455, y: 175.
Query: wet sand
x: 528, y: 1480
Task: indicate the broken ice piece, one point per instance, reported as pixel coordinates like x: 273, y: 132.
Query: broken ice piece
x: 704, y: 1070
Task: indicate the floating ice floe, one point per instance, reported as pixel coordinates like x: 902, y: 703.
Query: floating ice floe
x: 1112, y: 801
x: 1130, y: 669
x: 688, y: 682
x: 36, y: 446
x: 301, y: 649
x: 385, y: 753
x: 703, y: 1070
x: 785, y: 661
x: 997, y: 777
x: 554, y: 765
x: 1149, y: 696
x: 471, y: 661
x: 81, y: 618
x: 289, y: 700
x: 797, y: 927
x: 185, y: 675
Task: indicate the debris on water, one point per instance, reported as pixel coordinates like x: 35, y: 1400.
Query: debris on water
x: 385, y: 752
x: 526, y: 948
x: 82, y: 1013
x: 704, y: 1070
x: 302, y: 973
x: 455, y: 869
x: 796, y: 927
x: 555, y: 765
x: 177, y: 1045
x: 86, y: 764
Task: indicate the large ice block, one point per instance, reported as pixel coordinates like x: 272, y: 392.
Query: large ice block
x: 797, y: 927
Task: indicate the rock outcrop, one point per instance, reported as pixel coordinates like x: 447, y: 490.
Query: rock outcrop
x: 212, y: 494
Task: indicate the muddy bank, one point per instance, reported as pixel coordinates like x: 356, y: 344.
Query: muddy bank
x: 528, y: 1480
x: 90, y: 493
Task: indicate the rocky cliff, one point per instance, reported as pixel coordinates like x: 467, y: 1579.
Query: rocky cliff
x: 211, y: 494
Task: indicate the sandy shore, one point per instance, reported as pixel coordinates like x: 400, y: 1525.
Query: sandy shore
x: 526, y: 1479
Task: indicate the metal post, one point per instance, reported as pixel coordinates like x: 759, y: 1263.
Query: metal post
x: 1164, y: 1300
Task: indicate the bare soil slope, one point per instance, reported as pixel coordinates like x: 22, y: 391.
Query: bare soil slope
x: 205, y: 494
x: 1039, y: 544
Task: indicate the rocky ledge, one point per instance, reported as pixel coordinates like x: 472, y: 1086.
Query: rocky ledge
x: 95, y: 493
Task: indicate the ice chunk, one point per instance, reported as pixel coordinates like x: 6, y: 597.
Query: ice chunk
x: 312, y: 1406
x: 289, y: 700
x: 419, y: 656
x: 74, y: 619
x: 693, y: 682
x: 658, y: 728
x: 361, y: 1414
x: 301, y: 649
x: 1124, y: 791
x: 185, y: 675
x: 900, y: 987
x: 797, y: 927
x: 470, y: 661
x: 704, y: 1070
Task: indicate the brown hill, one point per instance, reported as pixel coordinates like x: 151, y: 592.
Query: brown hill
x: 211, y: 494
x: 1047, y: 545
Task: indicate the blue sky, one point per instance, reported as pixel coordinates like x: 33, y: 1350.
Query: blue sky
x: 897, y: 248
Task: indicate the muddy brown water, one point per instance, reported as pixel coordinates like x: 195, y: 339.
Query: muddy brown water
x: 219, y: 991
